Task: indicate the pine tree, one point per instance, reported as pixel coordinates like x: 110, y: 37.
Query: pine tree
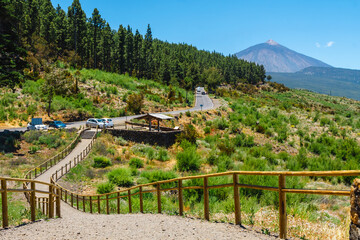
x: 129, y: 50
x: 120, y: 49
x: 148, y: 53
x: 137, y: 53
x: 60, y: 22
x: 76, y: 29
x: 47, y: 15
x: 11, y: 51
x: 106, y: 46
x: 98, y: 24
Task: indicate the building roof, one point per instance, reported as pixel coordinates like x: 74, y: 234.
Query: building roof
x: 157, y: 116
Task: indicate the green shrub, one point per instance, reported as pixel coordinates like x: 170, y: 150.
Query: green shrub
x: 136, y: 163
x: 158, y: 175
x: 31, y: 136
x: 135, y: 103
x: 33, y: 149
x: 121, y: 177
x: 162, y: 155
x: 188, y: 113
x: 107, y: 187
x: 101, y: 162
x: 188, y: 160
x: 207, y: 130
x: 324, y: 121
x: 190, y: 134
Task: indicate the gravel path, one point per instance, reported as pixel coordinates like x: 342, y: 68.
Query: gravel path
x: 79, y: 225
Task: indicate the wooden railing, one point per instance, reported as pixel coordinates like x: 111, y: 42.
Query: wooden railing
x: 43, y: 167
x: 110, y: 203
x: 52, y: 199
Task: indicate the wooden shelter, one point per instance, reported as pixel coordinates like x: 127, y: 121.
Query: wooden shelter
x: 154, y: 116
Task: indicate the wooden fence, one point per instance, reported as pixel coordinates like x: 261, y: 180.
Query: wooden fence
x: 110, y: 203
x: 44, y: 204
x: 52, y: 199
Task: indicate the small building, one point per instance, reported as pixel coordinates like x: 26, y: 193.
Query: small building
x: 149, y: 117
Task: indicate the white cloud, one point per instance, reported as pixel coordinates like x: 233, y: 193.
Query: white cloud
x: 329, y: 44
x: 317, y: 44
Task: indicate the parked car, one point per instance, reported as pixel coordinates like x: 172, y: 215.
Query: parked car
x: 108, y: 122
x: 57, y: 124
x: 36, y: 124
x: 93, y: 122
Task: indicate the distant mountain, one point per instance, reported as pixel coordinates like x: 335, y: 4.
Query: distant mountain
x: 335, y: 81
x: 277, y: 58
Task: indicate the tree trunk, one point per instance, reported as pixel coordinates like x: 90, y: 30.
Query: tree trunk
x: 49, y: 107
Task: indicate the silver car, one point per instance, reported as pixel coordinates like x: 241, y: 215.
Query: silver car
x: 108, y: 122
x: 93, y: 122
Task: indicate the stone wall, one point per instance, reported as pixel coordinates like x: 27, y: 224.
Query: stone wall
x: 165, y: 139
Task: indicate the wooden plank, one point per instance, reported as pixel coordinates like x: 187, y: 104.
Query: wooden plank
x: 91, y: 204
x: 32, y: 202
x: 129, y: 199
x: 282, y: 208
x: 98, y: 200
x: 318, y: 191
x: 107, y: 205
x: 77, y: 202
x: 180, y: 195
x: 141, y: 200
x: 118, y: 202
x: 158, y: 194
x: 72, y: 200
x: 236, y: 199
x: 51, y: 202
x: 84, y: 209
x: 206, y: 199
x: 4, y: 204
x: 58, y: 198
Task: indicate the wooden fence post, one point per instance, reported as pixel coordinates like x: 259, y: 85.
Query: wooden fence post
x: 129, y: 198
x: 58, y: 198
x: 66, y: 196
x: 90, y: 204
x: 206, y: 199
x: 107, y: 204
x: 72, y: 200
x: 51, y: 202
x: 141, y: 200
x: 181, y: 203
x: 98, y: 204
x: 282, y: 208
x: 84, y: 209
x: 158, y: 193
x: 77, y: 202
x: 118, y: 203
x: 32, y: 202
x: 4, y: 204
x: 237, y: 200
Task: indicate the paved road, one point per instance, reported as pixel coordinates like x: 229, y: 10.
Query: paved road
x: 202, y: 102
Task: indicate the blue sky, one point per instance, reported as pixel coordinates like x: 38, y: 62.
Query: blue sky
x: 327, y: 30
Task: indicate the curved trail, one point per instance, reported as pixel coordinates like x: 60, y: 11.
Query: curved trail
x: 75, y: 224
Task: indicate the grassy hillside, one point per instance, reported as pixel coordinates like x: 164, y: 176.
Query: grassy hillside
x: 101, y: 94
x: 334, y: 81
x: 267, y: 129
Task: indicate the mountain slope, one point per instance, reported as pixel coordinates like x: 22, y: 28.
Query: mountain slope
x: 334, y: 81
x: 277, y: 58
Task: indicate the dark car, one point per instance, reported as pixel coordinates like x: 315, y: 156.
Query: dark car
x: 57, y: 124
x: 203, y: 93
